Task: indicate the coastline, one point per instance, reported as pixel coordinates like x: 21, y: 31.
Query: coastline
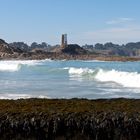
x: 64, y: 56
x: 70, y: 119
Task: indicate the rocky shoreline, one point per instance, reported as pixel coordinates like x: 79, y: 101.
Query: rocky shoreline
x: 71, y: 52
x: 64, y: 56
x: 73, y: 119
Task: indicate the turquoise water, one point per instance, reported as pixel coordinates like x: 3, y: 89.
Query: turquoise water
x: 69, y: 79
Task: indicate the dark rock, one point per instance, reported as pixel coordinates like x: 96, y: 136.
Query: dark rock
x: 74, y: 49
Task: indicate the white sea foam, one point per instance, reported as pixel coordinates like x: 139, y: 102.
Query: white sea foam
x: 49, y: 60
x: 21, y: 96
x: 126, y: 79
x: 80, y: 71
x: 9, y: 67
x: 98, y: 61
x: 12, y: 66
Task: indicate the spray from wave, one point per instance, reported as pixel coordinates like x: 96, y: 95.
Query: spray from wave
x: 126, y: 79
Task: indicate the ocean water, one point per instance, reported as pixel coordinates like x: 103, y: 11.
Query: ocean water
x: 69, y: 79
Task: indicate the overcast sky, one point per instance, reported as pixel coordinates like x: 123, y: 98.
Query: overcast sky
x: 85, y: 21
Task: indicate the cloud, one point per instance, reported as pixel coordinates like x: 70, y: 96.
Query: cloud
x: 129, y: 32
x: 115, y: 35
x: 119, y: 21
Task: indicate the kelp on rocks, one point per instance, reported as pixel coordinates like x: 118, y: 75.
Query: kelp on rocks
x: 74, y: 119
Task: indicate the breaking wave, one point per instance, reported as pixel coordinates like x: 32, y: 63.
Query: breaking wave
x: 126, y: 79
x: 9, y: 67
x: 13, y: 66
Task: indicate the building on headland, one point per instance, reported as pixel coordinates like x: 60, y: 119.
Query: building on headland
x: 64, y: 42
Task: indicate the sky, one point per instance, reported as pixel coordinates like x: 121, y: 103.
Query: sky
x: 84, y: 21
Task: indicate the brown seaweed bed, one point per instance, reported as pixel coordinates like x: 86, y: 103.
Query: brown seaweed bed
x: 73, y: 119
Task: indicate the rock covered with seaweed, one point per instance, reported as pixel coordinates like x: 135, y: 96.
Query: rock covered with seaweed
x: 70, y: 119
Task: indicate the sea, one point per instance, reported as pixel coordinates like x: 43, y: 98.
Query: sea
x: 65, y: 79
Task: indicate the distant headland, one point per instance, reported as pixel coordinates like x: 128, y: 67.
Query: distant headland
x: 105, y: 52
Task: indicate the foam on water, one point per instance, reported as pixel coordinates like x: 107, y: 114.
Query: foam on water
x: 21, y: 96
x: 80, y: 71
x: 12, y: 66
x: 9, y: 67
x: 126, y: 79
x: 69, y: 79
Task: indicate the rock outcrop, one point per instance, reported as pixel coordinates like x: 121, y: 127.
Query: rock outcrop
x: 4, y: 47
x: 74, y: 49
x: 6, y: 51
